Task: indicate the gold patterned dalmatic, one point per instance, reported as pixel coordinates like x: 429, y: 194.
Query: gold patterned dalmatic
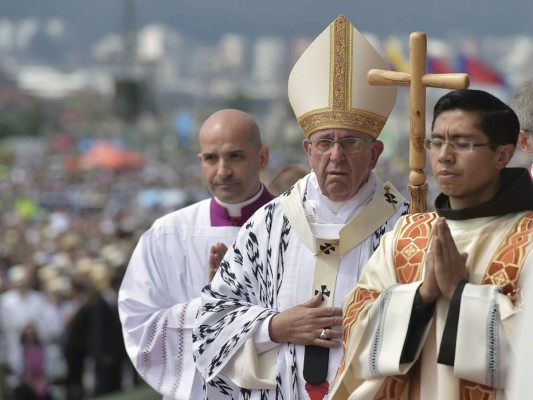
x: 411, y: 246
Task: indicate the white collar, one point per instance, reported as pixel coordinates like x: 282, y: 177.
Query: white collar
x: 234, y: 210
x: 320, y: 209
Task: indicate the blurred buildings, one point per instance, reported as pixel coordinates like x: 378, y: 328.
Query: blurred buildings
x: 181, y: 75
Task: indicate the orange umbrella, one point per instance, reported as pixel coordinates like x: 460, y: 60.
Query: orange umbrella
x: 108, y: 156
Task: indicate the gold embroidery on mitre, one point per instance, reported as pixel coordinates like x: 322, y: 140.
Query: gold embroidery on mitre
x: 340, y: 69
x: 339, y: 114
x: 356, y: 119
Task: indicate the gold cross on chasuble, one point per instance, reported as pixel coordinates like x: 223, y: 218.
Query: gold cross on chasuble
x: 417, y: 80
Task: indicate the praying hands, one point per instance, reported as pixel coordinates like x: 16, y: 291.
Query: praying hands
x: 445, y: 266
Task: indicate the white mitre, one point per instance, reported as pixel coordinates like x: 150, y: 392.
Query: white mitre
x: 328, y: 86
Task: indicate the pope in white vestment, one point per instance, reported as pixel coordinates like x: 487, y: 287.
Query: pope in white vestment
x: 270, y: 319
x: 267, y: 270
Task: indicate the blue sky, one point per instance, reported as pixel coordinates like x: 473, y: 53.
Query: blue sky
x: 208, y: 19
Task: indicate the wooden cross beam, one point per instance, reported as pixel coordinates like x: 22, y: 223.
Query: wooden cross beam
x: 417, y: 80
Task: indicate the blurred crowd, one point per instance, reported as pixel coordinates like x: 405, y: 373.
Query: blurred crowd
x: 65, y: 240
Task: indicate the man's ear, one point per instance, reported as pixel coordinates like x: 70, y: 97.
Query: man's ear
x: 504, y: 153
x: 306, y: 145
x: 377, y: 149
x: 525, y: 141
x: 263, y: 157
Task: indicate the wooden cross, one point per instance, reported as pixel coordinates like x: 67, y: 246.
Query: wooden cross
x: 417, y: 80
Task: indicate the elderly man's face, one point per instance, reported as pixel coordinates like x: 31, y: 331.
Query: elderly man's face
x: 341, y: 173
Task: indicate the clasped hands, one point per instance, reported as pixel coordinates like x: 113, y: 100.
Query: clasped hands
x: 445, y: 266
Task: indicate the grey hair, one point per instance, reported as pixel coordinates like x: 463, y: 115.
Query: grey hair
x: 522, y: 104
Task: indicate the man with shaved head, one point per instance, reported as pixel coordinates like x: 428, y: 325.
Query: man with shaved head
x: 179, y: 254
x: 232, y: 156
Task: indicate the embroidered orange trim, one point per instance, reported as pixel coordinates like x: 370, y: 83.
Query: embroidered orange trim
x: 356, y: 303
x: 413, y: 240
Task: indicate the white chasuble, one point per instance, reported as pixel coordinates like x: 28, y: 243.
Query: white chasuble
x: 269, y: 269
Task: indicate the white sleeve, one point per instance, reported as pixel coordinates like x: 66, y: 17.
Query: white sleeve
x: 389, y: 322
x: 483, y: 351
x: 262, y: 340
x: 157, y: 317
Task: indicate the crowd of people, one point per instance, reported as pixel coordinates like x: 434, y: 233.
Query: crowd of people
x: 61, y: 261
x: 66, y: 238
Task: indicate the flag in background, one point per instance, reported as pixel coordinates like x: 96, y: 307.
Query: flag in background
x: 400, y: 62
x: 479, y: 71
x: 394, y: 52
x: 438, y: 65
x: 443, y: 59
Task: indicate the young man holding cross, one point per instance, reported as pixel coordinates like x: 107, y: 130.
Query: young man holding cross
x: 434, y: 314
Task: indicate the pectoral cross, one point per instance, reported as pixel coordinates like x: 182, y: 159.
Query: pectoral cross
x: 417, y: 80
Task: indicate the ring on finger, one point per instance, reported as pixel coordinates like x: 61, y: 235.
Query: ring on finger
x: 323, y: 334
